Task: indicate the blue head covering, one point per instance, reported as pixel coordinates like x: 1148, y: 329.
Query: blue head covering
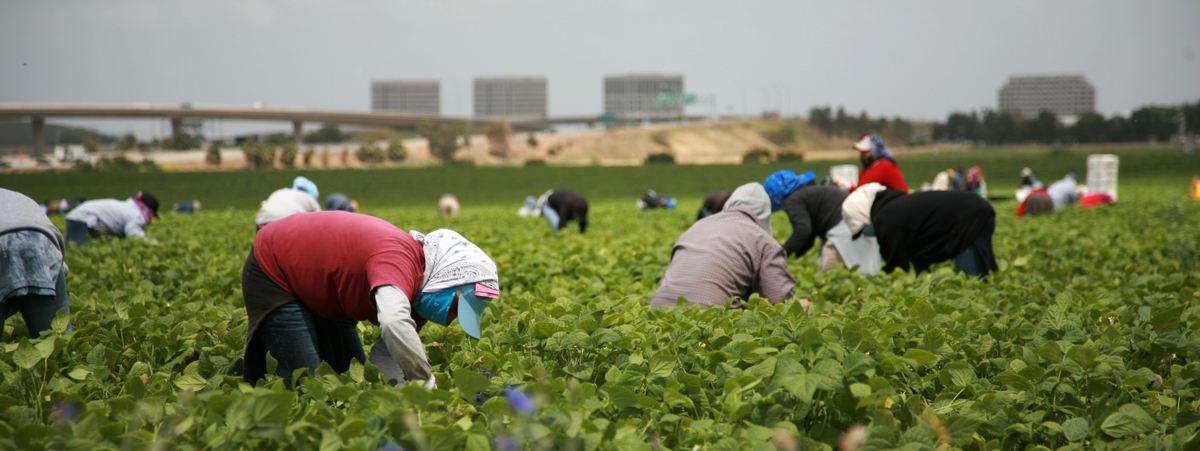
x: 435, y: 307
x: 780, y: 184
x: 306, y: 185
x: 879, y: 151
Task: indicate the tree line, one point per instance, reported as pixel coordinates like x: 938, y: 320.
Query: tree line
x: 1148, y: 123
x: 838, y: 123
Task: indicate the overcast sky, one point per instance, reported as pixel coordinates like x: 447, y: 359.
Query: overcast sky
x: 918, y: 59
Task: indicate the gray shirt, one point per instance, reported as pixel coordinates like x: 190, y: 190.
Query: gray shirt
x: 726, y: 255
x: 22, y: 213
x: 111, y: 217
x: 1063, y: 192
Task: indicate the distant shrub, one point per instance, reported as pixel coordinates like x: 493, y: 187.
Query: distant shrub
x: 660, y: 158
x: 396, y: 151
x: 289, y: 154
x: 757, y: 155
x: 660, y: 138
x: 213, y: 156
x: 370, y: 152
x: 789, y: 155
x: 308, y: 154
x: 536, y: 162
x: 781, y: 136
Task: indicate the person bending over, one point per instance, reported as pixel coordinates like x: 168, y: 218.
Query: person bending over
x: 562, y: 206
x: 112, y: 218
x: 729, y: 255
x: 304, y: 297
x: 924, y: 228
x: 300, y: 198
x: 33, y: 276
x: 879, y: 166
x: 815, y: 211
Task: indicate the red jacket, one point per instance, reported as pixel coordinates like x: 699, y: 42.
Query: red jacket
x: 884, y: 172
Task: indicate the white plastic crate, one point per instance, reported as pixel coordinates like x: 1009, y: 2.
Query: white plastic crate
x: 846, y: 171
x: 1102, y: 174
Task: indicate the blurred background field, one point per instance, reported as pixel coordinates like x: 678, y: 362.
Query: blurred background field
x: 373, y: 188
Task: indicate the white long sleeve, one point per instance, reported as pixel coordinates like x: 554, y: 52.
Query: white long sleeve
x: 398, y: 351
x: 111, y: 217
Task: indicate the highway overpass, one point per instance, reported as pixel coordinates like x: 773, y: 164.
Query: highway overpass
x: 38, y: 112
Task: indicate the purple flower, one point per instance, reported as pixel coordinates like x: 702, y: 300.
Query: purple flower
x: 391, y: 446
x: 505, y: 443
x: 520, y: 401
x: 65, y: 411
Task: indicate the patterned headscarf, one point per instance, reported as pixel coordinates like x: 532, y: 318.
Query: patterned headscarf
x: 879, y: 151
x: 451, y: 261
x: 781, y: 184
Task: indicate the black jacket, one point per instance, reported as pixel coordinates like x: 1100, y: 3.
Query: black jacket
x: 570, y: 206
x: 813, y: 210
x: 932, y: 226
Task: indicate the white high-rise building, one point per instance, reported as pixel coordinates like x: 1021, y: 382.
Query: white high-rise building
x: 421, y: 97
x: 633, y: 96
x: 1063, y: 95
x: 510, y: 98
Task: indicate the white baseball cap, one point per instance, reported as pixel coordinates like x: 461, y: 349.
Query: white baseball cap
x: 864, y: 144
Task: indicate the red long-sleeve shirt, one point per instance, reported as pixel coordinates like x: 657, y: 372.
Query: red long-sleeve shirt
x: 885, y: 173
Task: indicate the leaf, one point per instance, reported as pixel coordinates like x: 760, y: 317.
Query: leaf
x: 193, y: 382
x: 921, y: 356
x: 469, y: 382
x: 1167, y: 320
x: 1084, y: 354
x: 79, y: 373
x: 662, y: 365
x: 960, y: 374
x: 1050, y: 351
x: 583, y: 372
x: 860, y: 390
x: 1014, y: 380
x: 1129, y: 420
x: 922, y: 312
x: 962, y: 429
x: 27, y: 356
x: 622, y: 398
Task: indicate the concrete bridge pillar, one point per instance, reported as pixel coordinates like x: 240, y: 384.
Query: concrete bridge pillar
x: 39, y: 135
x: 176, y: 125
x: 298, y: 132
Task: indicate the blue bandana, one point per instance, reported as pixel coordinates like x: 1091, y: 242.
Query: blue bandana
x: 780, y: 184
x: 435, y: 306
x: 304, y: 184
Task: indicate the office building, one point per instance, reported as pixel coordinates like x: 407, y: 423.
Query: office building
x: 417, y: 97
x: 638, y: 96
x: 511, y: 98
x: 1063, y: 95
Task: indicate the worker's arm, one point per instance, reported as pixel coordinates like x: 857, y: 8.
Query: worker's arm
x: 802, y: 230
x: 774, y: 280
x: 399, y: 340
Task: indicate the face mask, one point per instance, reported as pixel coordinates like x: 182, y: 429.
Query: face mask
x: 435, y: 306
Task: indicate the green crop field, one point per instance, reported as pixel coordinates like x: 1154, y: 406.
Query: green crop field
x: 1086, y: 339
x: 509, y: 186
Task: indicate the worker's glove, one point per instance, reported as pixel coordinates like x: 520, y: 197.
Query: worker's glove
x: 431, y: 383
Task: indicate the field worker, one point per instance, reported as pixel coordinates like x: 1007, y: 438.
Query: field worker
x: 941, y: 182
x: 1092, y: 200
x: 33, y: 276
x: 879, y: 166
x: 300, y: 198
x: 448, y: 205
x: 921, y: 229
x: 304, y: 297
x: 529, y: 209
x: 1064, y: 192
x: 651, y: 201
x: 975, y: 182
x: 339, y: 202
x: 112, y: 218
x: 562, y: 206
x: 816, y: 211
x: 956, y: 178
x: 1028, y: 179
x: 712, y: 204
x: 63, y: 207
x: 187, y: 207
x: 728, y: 255
x: 1036, y: 202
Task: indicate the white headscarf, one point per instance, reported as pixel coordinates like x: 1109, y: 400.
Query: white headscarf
x: 451, y: 261
x: 753, y: 196
x: 856, y: 209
